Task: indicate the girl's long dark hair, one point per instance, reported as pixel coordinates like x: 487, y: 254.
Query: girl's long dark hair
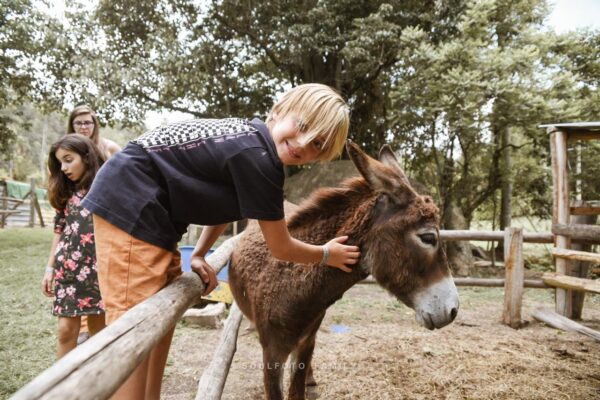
x: 60, y: 188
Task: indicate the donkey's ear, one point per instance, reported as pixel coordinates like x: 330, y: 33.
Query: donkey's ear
x: 387, y: 156
x: 360, y: 159
x: 381, y: 177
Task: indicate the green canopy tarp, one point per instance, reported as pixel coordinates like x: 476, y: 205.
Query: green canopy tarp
x: 19, y: 190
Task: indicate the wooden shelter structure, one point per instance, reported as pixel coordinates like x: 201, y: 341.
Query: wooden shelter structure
x: 567, y: 215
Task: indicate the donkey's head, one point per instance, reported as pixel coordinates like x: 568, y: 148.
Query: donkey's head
x: 402, y: 249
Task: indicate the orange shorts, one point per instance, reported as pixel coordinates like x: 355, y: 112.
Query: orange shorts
x: 130, y: 270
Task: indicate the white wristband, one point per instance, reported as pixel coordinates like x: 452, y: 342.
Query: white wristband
x: 325, y: 255
x: 49, y: 270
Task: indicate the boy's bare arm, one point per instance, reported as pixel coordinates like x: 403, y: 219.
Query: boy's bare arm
x: 207, y: 238
x: 286, y: 248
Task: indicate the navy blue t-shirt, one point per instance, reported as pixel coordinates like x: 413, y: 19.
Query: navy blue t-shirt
x: 204, y: 171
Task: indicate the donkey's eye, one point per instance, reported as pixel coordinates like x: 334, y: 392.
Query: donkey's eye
x: 429, y: 238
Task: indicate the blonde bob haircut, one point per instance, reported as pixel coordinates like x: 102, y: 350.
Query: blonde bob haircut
x: 322, y: 113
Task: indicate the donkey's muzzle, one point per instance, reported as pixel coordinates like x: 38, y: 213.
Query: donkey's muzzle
x: 437, y: 305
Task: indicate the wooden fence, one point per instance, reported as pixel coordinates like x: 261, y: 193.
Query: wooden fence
x: 100, y: 365
x: 29, y: 211
x: 96, y: 369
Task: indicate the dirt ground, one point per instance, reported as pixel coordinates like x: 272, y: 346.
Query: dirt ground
x: 382, y: 353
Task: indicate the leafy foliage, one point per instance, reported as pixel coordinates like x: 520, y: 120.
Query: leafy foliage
x: 456, y: 96
x: 22, y: 39
x: 453, y: 84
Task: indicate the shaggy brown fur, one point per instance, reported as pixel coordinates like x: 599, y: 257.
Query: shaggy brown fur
x: 287, y: 301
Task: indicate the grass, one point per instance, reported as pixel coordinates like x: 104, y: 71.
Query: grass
x: 28, y: 334
x: 537, y: 255
x: 28, y: 331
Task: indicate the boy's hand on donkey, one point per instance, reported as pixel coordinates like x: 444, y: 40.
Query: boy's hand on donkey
x: 341, y: 255
x: 206, y: 273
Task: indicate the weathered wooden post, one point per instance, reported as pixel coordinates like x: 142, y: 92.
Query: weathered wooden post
x: 4, y: 208
x: 214, y: 377
x: 561, y: 211
x: 513, y: 285
x: 32, y: 204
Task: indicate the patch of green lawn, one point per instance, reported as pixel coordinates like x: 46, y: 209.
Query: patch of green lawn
x: 28, y: 329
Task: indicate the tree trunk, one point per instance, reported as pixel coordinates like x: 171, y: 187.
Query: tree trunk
x: 507, y: 181
x: 459, y: 254
x: 502, y: 142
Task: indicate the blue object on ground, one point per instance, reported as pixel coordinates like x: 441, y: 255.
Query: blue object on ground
x: 339, y: 329
x: 186, y: 262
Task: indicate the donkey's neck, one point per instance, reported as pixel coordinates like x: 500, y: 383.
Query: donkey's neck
x: 327, y: 214
x: 333, y: 212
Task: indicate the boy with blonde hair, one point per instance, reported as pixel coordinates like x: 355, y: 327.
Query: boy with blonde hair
x: 206, y: 172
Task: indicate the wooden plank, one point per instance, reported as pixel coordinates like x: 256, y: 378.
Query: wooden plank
x: 571, y: 282
x: 3, y: 216
x: 21, y: 219
x: 585, y: 210
x: 498, y: 282
x: 208, y: 317
x: 574, y: 255
x: 5, y: 206
x: 513, y: 288
x: 32, y: 204
x: 558, y: 321
x: 538, y: 237
x: 482, y: 282
x: 560, y: 212
x: 458, y: 235
x: 584, y: 135
x: 111, y: 355
x: 214, y: 377
x: 11, y: 199
x: 592, y: 125
x: 583, y: 233
x: 38, y: 210
x: 580, y: 268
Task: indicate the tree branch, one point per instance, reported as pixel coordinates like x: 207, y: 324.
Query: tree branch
x: 263, y: 46
x: 171, y: 106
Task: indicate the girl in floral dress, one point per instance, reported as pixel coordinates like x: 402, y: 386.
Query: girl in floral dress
x: 71, y: 272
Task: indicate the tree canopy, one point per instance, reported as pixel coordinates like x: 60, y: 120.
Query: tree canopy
x: 22, y: 40
x: 457, y: 86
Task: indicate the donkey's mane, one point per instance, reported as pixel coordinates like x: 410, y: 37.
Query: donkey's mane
x: 325, y: 202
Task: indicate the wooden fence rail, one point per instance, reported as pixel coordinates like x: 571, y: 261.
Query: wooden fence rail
x: 214, y: 377
x: 486, y: 282
x: 528, y: 237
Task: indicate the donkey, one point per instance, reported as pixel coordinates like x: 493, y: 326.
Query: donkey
x: 397, y: 232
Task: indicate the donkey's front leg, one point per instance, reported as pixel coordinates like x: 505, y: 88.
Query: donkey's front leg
x: 301, y: 360
x: 273, y: 363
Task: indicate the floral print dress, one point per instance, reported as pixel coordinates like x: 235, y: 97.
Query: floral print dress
x: 76, y: 289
